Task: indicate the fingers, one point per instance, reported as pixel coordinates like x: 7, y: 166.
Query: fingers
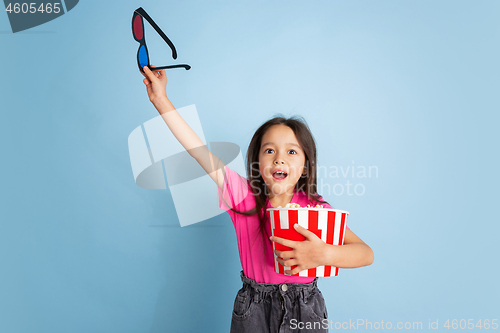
x: 149, y: 74
x: 303, y: 231
x: 283, y: 241
x: 287, y: 262
x: 284, y: 254
x: 293, y: 271
x: 160, y: 73
x: 154, y: 72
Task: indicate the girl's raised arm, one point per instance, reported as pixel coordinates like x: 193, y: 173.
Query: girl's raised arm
x: 156, y: 83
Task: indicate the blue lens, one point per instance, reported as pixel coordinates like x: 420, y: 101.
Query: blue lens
x: 143, y: 56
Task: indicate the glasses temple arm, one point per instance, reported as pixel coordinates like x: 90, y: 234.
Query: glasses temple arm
x: 187, y: 67
x: 143, y: 13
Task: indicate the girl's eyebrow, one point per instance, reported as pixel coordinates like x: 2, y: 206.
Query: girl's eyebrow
x: 288, y: 143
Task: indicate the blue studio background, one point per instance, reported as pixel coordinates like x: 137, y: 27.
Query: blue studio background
x: 409, y: 87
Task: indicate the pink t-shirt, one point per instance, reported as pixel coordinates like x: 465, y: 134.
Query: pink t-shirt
x: 238, y: 195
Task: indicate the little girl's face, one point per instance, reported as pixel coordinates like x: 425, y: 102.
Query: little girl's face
x: 281, y: 160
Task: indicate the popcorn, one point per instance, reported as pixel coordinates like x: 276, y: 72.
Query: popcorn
x: 294, y: 205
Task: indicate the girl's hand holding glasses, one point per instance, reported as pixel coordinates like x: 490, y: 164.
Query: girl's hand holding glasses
x: 156, y: 84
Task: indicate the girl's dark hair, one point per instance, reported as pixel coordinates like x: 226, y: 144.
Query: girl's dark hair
x: 307, y: 183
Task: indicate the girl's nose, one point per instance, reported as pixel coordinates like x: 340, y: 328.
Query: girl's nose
x: 279, y: 161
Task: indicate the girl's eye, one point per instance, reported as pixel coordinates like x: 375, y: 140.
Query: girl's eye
x: 293, y: 151
x: 268, y: 149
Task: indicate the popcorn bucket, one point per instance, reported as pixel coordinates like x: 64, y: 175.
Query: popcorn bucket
x: 327, y: 224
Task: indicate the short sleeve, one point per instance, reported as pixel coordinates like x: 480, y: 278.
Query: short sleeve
x: 234, y: 191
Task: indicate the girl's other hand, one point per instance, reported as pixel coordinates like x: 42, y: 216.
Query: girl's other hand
x: 309, y: 253
x: 156, y: 84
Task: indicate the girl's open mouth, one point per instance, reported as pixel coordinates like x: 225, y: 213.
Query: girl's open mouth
x: 279, y: 175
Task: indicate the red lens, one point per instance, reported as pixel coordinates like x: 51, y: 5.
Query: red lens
x: 138, y: 28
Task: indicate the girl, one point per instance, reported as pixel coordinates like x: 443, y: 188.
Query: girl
x: 281, y: 165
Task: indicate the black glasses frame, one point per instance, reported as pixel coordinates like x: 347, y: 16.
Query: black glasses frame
x: 142, y: 13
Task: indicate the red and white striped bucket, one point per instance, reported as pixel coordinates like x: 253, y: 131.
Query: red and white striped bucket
x: 327, y: 224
